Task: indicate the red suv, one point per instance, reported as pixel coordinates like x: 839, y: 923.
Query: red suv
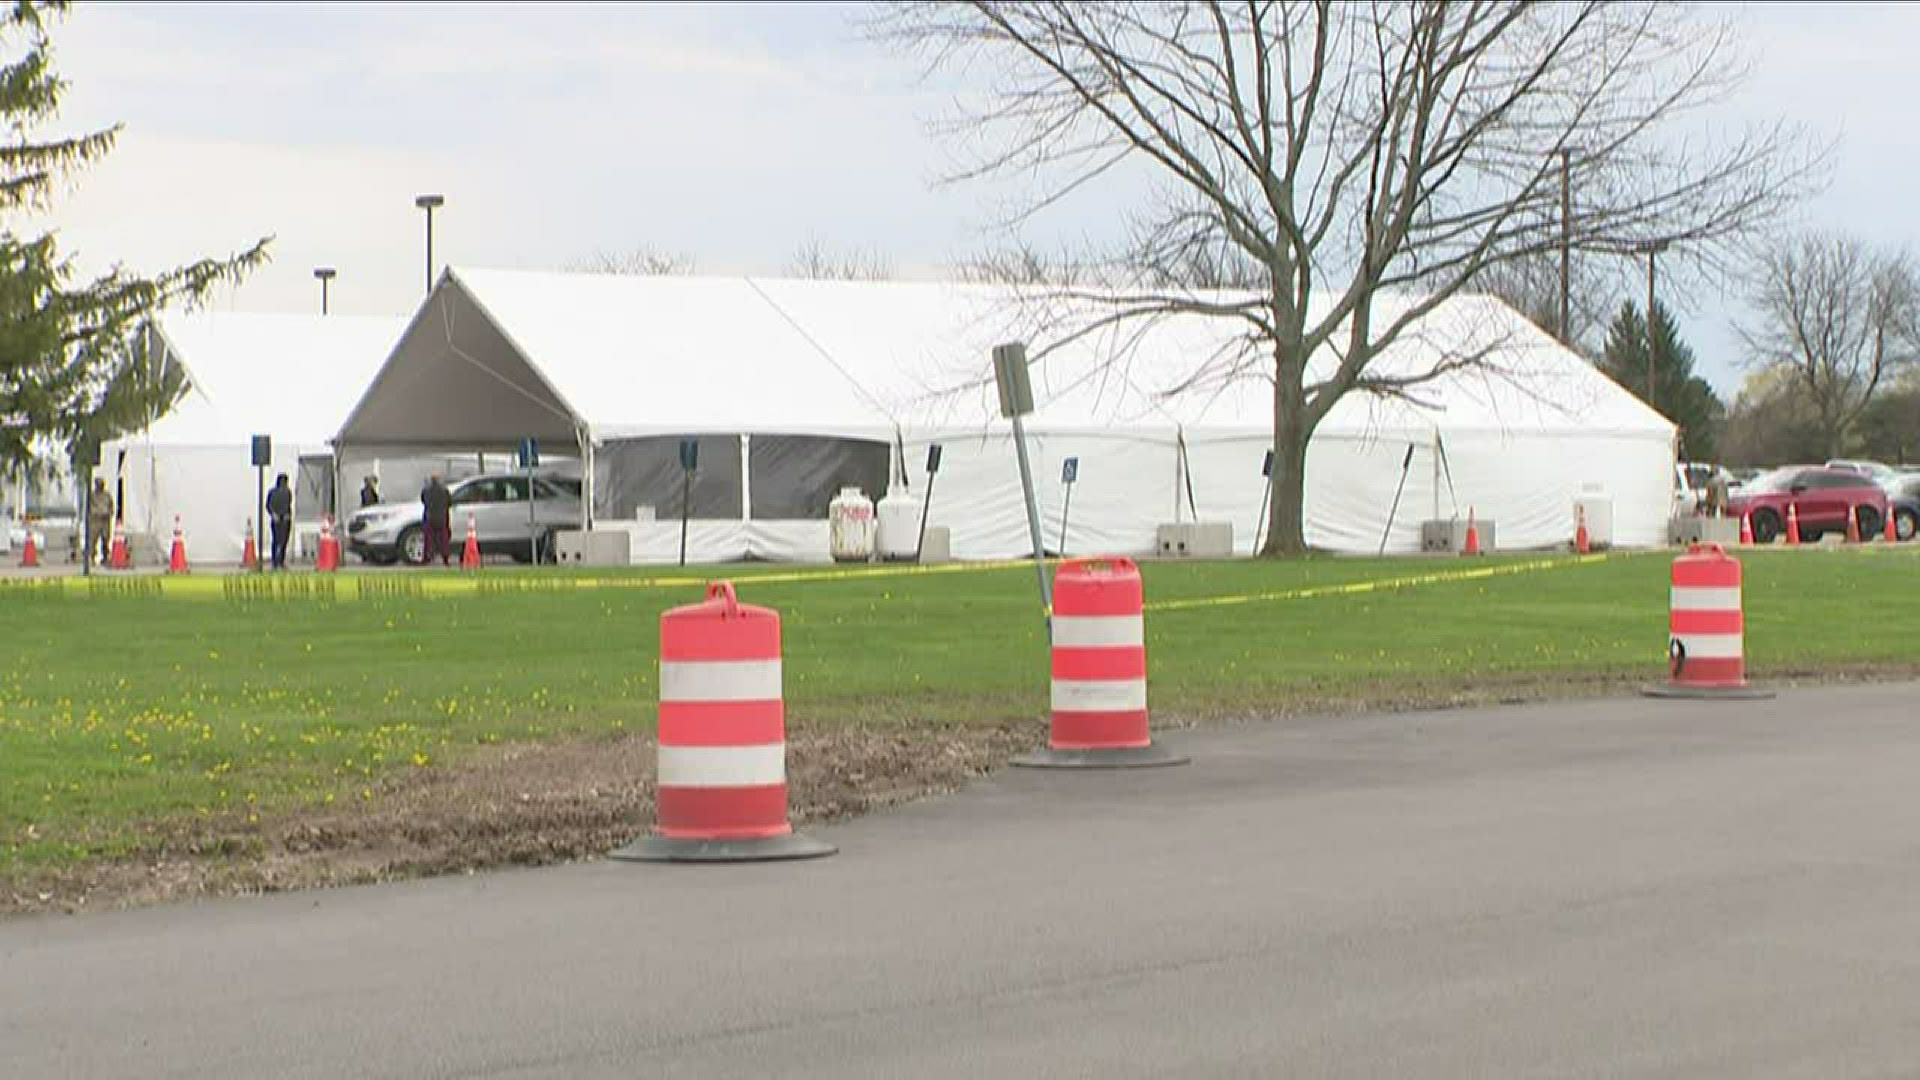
x: 1822, y: 498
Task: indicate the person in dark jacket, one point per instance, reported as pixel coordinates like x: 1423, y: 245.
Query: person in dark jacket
x: 436, y: 504
x: 280, y: 518
x: 370, y: 491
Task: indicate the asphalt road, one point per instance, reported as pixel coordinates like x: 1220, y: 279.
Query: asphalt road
x: 1623, y: 888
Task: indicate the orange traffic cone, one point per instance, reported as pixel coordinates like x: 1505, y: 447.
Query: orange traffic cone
x: 1892, y: 535
x: 1793, y: 523
x: 177, y: 559
x: 249, y: 550
x: 1582, y: 543
x: 118, y: 558
x: 470, y: 555
x: 328, y: 559
x: 1473, y: 536
x: 1746, y: 530
x: 29, y: 555
x: 1853, y: 525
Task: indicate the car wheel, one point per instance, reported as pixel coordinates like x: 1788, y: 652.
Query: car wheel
x: 1870, y: 523
x: 413, y: 545
x: 1906, y: 524
x: 1766, y: 526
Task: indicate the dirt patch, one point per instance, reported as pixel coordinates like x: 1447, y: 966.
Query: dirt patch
x: 523, y: 805
x: 536, y: 804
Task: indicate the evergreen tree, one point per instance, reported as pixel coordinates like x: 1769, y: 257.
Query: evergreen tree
x: 1681, y: 396
x: 71, y: 365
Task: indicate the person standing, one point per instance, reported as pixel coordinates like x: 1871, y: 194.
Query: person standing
x: 436, y: 504
x: 280, y: 517
x: 370, y: 492
x: 99, y: 521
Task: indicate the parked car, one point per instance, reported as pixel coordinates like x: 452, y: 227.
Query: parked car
x: 1905, y: 500
x: 388, y: 532
x: 1884, y: 475
x: 1906, y: 515
x: 1823, y: 499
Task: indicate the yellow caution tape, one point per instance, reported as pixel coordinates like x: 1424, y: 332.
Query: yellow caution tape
x: 1354, y: 588
x: 401, y: 585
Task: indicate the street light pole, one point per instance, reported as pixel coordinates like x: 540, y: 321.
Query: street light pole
x: 430, y: 203
x: 326, y: 275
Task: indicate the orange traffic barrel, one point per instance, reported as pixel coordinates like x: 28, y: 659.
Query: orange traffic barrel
x: 1099, y: 686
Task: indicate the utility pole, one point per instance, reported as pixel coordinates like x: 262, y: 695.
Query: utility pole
x: 1566, y: 241
x: 1652, y: 248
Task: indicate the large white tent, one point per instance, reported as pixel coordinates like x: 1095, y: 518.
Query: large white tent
x: 290, y: 377
x: 795, y: 387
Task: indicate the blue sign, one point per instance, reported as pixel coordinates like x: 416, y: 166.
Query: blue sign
x: 1070, y: 470
x: 689, y: 454
x: 529, y: 453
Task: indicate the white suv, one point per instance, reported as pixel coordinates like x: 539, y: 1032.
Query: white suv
x: 502, y: 520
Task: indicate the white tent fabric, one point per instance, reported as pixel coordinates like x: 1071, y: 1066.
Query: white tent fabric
x: 292, y: 377
x: 1524, y: 427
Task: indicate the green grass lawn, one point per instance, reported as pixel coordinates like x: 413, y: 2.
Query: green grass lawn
x: 116, y: 710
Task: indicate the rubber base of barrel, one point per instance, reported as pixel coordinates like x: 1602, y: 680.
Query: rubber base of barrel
x: 1138, y: 757
x: 1707, y: 693
x: 662, y: 849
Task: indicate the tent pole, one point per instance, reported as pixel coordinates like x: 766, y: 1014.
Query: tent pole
x: 585, y: 438
x: 1405, y: 464
x: 746, y: 478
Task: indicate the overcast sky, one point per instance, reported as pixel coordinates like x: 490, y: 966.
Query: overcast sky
x: 733, y: 133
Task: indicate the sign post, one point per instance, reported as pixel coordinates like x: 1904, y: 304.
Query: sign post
x: 1016, y: 401
x: 262, y: 457
x: 689, y: 461
x: 926, y: 507
x: 1069, y: 472
x: 1266, y: 492
x: 530, y: 458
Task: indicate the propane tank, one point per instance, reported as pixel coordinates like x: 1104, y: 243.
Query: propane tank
x: 850, y: 526
x: 899, y: 527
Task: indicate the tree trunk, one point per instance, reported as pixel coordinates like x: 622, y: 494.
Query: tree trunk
x: 1287, y: 517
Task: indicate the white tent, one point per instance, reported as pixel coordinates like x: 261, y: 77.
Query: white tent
x: 794, y: 387
x: 290, y: 377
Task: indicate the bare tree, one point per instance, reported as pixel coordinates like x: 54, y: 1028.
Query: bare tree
x: 1841, y: 319
x: 814, y: 260
x: 1336, y: 154
x: 1531, y: 285
x: 1020, y: 264
x: 644, y: 260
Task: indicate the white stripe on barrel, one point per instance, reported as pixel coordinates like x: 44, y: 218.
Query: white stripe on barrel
x: 1710, y: 646
x: 720, y: 680
x: 1697, y: 598
x: 1099, y: 631
x: 1099, y: 695
x: 722, y: 766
